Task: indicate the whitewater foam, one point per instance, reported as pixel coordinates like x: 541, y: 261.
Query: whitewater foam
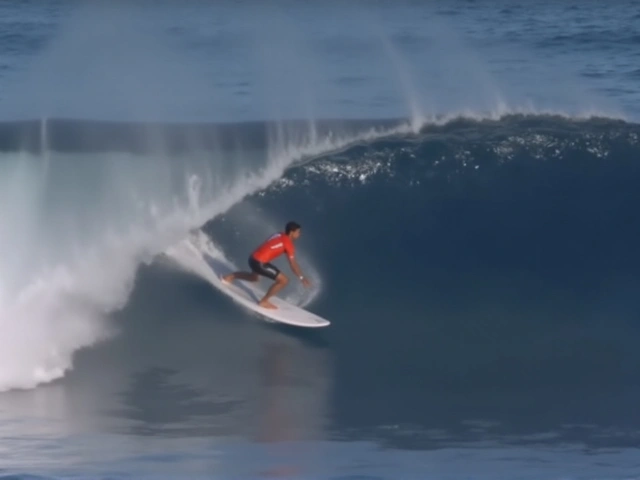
x: 503, y: 110
x: 64, y: 305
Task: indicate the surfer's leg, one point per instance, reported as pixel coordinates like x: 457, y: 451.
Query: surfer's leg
x: 253, y: 275
x: 246, y: 276
x: 280, y: 282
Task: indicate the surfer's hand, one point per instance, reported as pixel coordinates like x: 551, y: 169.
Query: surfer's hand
x: 306, y: 282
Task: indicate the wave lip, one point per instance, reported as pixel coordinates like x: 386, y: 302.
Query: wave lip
x: 92, y: 136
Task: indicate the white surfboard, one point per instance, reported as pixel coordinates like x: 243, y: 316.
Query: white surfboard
x: 249, y: 293
x: 197, y: 255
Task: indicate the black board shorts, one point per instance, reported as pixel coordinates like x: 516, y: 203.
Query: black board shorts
x: 265, y: 269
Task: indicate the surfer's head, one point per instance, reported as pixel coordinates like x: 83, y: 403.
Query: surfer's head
x: 292, y: 229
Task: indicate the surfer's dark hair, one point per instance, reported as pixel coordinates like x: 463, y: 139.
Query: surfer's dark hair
x: 291, y: 227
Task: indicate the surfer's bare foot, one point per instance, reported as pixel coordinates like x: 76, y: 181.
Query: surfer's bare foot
x: 267, y: 304
x: 227, y: 278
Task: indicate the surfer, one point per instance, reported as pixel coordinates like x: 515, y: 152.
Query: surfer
x: 259, y: 262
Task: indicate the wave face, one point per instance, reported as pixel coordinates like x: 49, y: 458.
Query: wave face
x: 543, y: 195
x: 474, y: 254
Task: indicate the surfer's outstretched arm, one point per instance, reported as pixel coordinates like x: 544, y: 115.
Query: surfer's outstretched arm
x: 296, y: 269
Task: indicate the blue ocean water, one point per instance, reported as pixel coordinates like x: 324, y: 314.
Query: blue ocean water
x: 466, y: 177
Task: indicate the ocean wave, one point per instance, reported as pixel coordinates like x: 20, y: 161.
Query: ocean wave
x: 519, y: 192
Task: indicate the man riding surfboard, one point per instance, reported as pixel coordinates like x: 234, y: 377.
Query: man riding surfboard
x: 259, y: 263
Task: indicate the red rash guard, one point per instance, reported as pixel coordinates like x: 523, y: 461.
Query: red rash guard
x: 275, y: 246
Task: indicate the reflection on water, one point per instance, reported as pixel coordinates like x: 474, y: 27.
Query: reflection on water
x: 224, y: 395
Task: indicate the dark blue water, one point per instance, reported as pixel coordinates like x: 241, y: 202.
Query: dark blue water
x: 466, y: 178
